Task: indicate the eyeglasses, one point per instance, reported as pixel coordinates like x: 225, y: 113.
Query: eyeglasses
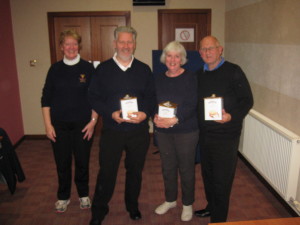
x: 208, y: 49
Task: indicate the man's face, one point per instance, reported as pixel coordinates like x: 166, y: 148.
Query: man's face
x: 125, y: 46
x: 210, y: 52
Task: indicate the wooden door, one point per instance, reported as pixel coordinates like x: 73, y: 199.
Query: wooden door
x: 103, y: 35
x: 82, y: 26
x: 96, y: 30
x: 197, y: 22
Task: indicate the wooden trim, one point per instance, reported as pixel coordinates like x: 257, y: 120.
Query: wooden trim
x: 181, y: 11
x: 276, y: 221
x: 209, y: 21
x: 19, y: 142
x: 36, y: 137
x: 159, y: 21
x: 51, y: 37
x: 89, y: 13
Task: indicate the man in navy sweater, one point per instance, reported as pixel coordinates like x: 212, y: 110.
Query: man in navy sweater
x: 115, y: 78
x: 219, y: 139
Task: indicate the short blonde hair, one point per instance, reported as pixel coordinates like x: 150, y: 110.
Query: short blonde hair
x: 70, y: 33
x: 174, y: 46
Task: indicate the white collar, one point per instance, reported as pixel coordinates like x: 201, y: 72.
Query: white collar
x: 72, y: 62
x: 124, y: 68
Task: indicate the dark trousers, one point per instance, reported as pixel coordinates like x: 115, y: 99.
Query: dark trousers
x: 69, y: 141
x: 177, y: 153
x: 218, y: 164
x: 112, y: 143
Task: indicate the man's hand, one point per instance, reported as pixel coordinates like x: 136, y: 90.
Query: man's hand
x: 117, y: 117
x: 136, y: 117
x: 226, y: 117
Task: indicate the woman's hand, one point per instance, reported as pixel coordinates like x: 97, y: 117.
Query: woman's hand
x: 161, y: 122
x: 89, y: 129
x: 50, y: 132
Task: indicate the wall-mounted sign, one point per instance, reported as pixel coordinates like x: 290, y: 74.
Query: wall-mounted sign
x: 184, y: 34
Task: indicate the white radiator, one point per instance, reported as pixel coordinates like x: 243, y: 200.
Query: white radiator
x: 274, y: 152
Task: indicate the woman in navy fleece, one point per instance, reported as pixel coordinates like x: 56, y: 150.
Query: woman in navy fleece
x: 177, y: 137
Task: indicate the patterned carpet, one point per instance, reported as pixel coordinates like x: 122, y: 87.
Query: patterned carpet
x: 33, y: 201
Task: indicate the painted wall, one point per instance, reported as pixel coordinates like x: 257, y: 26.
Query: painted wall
x: 10, y: 106
x: 32, y: 42
x: 263, y: 37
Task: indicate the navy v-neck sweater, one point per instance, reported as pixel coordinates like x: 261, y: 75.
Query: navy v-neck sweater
x: 229, y: 82
x: 110, y: 84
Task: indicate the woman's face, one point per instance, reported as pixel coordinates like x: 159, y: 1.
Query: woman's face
x: 70, y: 47
x: 173, y: 60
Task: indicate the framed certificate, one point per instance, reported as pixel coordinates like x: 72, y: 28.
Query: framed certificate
x: 213, y: 108
x: 128, y: 105
x: 167, y: 109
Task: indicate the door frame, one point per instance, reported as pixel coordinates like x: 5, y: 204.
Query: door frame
x: 52, y: 15
x: 207, y: 12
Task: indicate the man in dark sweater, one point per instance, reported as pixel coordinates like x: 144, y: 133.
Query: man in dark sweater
x: 219, y: 139
x: 115, y: 78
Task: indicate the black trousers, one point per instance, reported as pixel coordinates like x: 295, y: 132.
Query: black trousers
x: 69, y: 142
x: 112, y: 143
x: 218, y: 165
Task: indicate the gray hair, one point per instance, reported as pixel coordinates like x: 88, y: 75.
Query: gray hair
x: 174, y: 46
x: 123, y: 29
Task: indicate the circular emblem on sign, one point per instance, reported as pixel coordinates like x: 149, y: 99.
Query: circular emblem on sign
x: 185, y: 35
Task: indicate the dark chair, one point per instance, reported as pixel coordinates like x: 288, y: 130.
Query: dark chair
x: 10, y: 167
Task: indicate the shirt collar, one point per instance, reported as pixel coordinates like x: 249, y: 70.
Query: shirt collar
x: 205, y: 67
x: 124, y: 68
x: 71, y: 62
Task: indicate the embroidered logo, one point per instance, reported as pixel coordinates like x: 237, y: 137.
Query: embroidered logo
x: 82, y: 78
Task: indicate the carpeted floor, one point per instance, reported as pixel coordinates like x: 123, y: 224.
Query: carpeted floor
x: 33, y: 201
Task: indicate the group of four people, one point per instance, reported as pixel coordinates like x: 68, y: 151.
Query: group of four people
x: 74, y: 95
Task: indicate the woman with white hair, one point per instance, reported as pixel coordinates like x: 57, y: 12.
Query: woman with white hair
x: 177, y: 136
